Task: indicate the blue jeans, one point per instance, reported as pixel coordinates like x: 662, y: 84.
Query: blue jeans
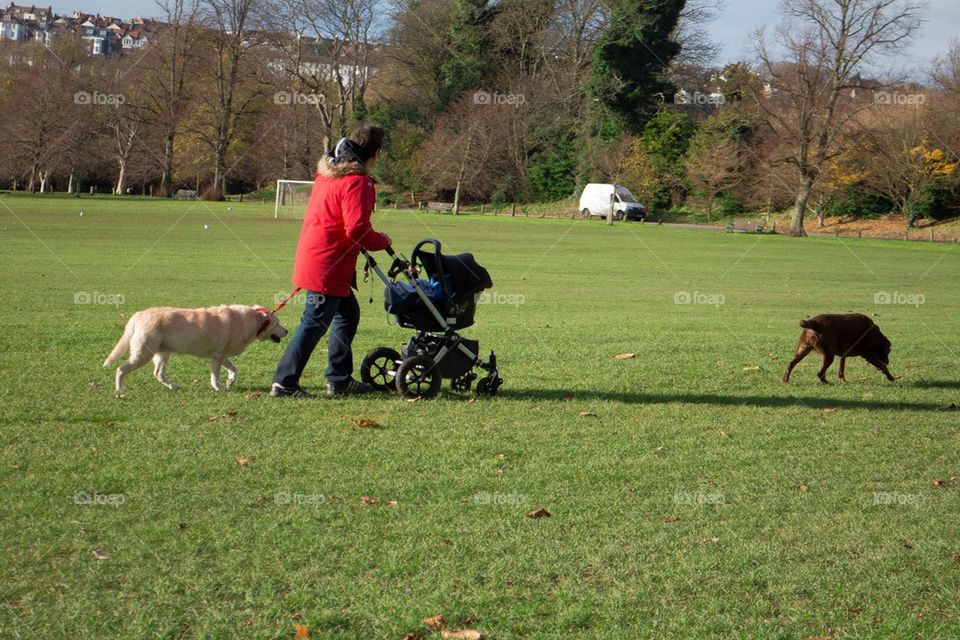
x: 341, y: 316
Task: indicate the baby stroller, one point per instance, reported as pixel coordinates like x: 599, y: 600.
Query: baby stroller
x: 436, y: 309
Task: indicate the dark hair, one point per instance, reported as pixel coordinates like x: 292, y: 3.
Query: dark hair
x: 369, y: 137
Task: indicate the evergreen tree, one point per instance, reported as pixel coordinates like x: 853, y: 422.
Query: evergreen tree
x: 631, y: 55
x: 469, y: 44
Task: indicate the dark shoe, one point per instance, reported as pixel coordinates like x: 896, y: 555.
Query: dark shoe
x: 350, y: 388
x: 280, y: 391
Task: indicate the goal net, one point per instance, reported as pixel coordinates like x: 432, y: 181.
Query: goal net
x: 292, y: 198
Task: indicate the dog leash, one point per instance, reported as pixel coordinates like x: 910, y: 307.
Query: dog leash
x: 267, y: 312
x: 286, y: 300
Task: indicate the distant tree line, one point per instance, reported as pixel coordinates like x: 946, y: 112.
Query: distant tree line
x: 500, y: 101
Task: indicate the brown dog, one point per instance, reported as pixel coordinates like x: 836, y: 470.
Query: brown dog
x: 845, y: 336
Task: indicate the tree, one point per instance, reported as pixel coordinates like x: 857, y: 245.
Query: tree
x: 715, y: 160
x: 632, y: 53
x: 468, y: 43
x: 326, y: 52
x: 826, y: 42
x: 660, y: 157
x: 233, y: 78
x: 165, y: 76
x: 464, y: 156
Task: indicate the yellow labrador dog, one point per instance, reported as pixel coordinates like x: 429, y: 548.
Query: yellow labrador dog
x: 215, y: 332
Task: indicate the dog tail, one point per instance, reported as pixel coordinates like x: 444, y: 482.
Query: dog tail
x: 122, y: 345
x: 811, y: 324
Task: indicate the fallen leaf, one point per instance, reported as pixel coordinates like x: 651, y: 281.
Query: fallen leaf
x: 301, y: 632
x: 868, y: 394
x: 391, y: 505
x: 751, y: 368
x: 829, y: 410
x: 855, y: 609
x: 243, y: 460
x: 369, y: 500
x: 447, y: 541
x: 417, y: 399
x: 416, y: 635
x: 252, y: 394
x: 367, y: 423
x: 954, y: 478
x: 107, y: 423
x: 669, y: 519
x: 624, y: 356
x: 501, y: 456
x: 100, y: 555
x: 230, y: 415
x: 471, y: 400
x: 463, y: 634
x: 938, y: 483
x: 213, y: 418
x: 658, y: 449
x: 724, y: 434
x: 538, y: 513
x: 955, y: 557
x: 434, y: 622
x: 710, y: 540
x: 803, y: 487
x: 587, y: 414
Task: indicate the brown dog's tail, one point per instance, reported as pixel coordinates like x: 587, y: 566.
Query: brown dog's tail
x: 811, y: 324
x: 122, y: 345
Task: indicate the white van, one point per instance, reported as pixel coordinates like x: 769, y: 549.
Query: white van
x: 595, y: 201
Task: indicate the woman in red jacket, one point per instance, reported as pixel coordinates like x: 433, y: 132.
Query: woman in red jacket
x: 336, y: 227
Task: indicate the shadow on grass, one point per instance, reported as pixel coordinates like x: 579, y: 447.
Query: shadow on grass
x: 936, y: 384
x: 721, y: 400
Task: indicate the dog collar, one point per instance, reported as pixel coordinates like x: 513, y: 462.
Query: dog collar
x: 266, y: 320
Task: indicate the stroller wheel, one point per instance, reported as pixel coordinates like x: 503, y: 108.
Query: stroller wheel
x: 488, y: 386
x: 379, y: 368
x: 418, y: 376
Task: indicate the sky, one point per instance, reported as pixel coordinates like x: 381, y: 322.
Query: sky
x: 732, y: 28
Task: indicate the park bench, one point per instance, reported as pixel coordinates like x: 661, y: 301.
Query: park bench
x: 440, y: 206
x: 185, y: 194
x: 745, y: 226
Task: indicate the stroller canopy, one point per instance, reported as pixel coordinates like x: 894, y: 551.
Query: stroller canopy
x: 466, y: 275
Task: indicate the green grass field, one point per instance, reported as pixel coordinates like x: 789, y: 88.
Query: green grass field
x: 699, y: 497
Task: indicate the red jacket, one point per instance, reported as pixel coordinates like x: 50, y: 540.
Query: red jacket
x: 335, y: 227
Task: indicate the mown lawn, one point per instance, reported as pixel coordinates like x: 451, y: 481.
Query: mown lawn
x: 692, y: 494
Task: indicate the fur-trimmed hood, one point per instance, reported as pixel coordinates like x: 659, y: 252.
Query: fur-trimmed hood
x: 328, y: 169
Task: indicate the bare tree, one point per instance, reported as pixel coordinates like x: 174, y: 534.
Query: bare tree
x: 826, y: 42
x: 465, y: 156
x: 327, y: 50
x: 233, y: 76
x: 165, y: 75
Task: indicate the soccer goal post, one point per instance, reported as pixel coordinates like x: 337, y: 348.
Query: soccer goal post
x: 292, y: 197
